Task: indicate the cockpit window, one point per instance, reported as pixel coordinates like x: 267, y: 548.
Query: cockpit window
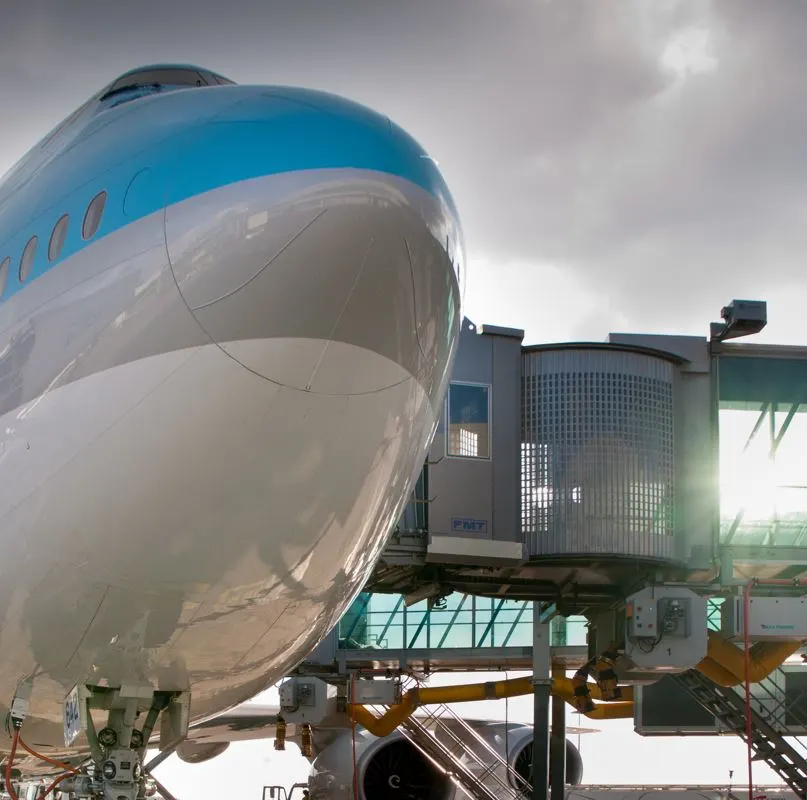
x: 165, y: 77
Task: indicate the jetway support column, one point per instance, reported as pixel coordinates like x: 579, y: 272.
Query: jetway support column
x: 541, y: 662
x: 557, y: 743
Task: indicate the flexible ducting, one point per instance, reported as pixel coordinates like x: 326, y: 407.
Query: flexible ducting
x: 495, y: 690
x: 725, y: 663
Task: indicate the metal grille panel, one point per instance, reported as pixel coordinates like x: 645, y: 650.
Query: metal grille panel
x: 597, y: 453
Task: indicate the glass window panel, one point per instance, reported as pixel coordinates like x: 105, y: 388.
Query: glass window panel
x: 417, y: 630
x: 27, y: 260
x: 5, y: 265
x: 468, y: 421
x: 92, y: 219
x: 170, y: 76
x: 57, y: 238
x: 763, y: 433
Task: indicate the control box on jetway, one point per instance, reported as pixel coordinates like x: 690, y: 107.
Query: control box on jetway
x: 665, y: 630
x: 771, y: 618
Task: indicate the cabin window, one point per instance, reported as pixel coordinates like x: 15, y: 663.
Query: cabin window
x: 92, y: 219
x: 4, y: 268
x: 468, y: 420
x: 57, y: 238
x: 27, y: 260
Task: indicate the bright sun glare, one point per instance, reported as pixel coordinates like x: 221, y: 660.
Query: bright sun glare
x: 766, y: 488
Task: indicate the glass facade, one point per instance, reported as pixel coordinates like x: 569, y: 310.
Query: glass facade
x: 763, y: 435
x: 713, y: 613
x: 383, y: 621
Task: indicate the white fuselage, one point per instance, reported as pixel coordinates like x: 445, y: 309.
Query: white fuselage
x: 199, y: 467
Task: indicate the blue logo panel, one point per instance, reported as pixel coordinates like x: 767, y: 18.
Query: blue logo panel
x: 468, y: 525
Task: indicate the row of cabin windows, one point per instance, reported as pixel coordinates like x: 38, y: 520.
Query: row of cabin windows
x: 89, y: 227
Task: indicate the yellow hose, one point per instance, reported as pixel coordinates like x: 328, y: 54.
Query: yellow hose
x: 724, y: 664
x: 495, y: 690
x: 618, y: 710
x: 564, y: 686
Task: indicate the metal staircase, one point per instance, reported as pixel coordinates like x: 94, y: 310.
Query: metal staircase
x: 768, y: 722
x: 469, y: 761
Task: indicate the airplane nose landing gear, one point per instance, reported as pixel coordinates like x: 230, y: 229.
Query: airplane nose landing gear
x: 118, y: 749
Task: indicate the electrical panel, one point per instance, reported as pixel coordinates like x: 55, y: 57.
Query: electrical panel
x: 296, y: 693
x: 665, y: 630
x: 674, y: 616
x: 308, y: 700
x: 663, y: 616
x: 771, y: 619
x: 642, y: 618
x: 375, y: 692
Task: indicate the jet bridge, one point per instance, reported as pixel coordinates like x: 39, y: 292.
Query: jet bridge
x: 569, y: 472
x: 628, y: 490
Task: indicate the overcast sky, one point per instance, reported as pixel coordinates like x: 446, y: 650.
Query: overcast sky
x: 622, y: 165
x: 627, y: 165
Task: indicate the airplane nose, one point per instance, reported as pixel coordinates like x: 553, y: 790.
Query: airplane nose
x: 298, y: 275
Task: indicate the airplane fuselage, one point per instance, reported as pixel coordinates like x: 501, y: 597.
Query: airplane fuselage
x: 218, y: 381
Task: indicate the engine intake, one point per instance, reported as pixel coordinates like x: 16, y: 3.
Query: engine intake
x: 400, y: 770
x: 387, y: 768
x: 522, y: 765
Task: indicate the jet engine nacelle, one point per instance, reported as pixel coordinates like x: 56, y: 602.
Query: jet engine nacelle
x: 386, y: 768
x: 513, y: 742
x: 393, y: 767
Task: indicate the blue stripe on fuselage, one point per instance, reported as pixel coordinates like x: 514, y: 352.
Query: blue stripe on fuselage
x: 190, y: 142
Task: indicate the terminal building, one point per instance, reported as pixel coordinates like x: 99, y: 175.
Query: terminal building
x: 633, y: 510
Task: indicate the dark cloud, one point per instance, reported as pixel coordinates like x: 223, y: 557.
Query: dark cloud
x: 655, y: 152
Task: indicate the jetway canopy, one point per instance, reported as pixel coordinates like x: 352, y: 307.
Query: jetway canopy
x: 748, y: 382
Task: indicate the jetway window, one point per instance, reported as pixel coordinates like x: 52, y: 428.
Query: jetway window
x: 763, y: 435
x: 385, y: 622
x: 468, y: 420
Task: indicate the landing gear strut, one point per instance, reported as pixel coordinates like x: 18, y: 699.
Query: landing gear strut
x: 118, y: 749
